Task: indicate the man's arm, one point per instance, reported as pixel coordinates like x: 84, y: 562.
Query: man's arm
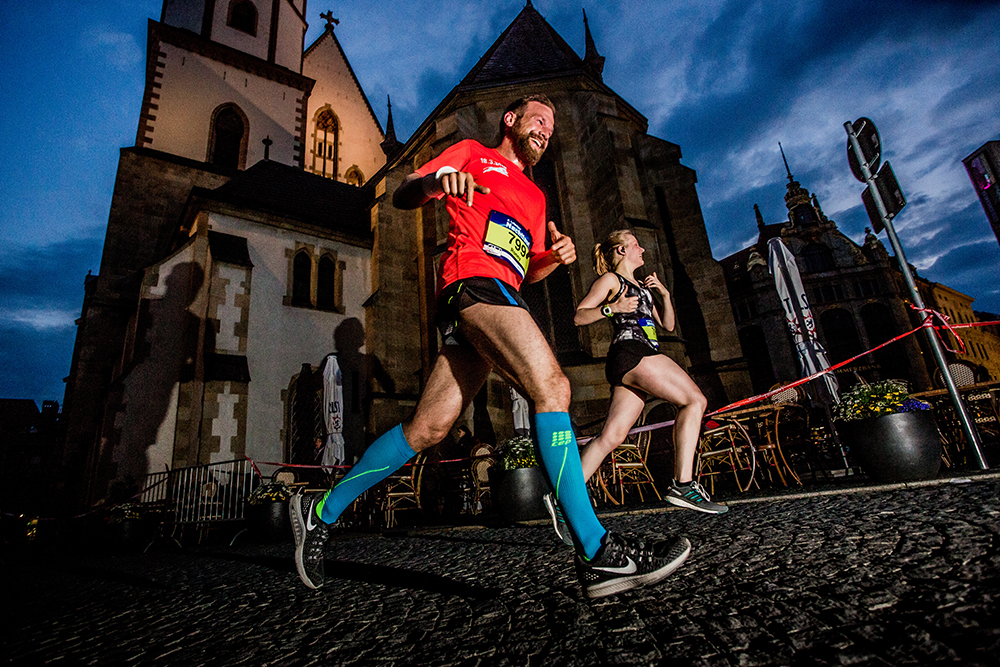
x: 563, y: 251
x: 417, y: 190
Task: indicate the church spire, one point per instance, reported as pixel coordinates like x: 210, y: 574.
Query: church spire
x: 760, y: 218
x: 591, y: 58
x: 390, y: 146
x: 789, y: 171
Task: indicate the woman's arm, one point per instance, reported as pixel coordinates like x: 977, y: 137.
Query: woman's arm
x: 663, y: 312
x: 589, y: 310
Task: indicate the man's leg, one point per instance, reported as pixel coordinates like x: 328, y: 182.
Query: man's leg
x: 509, y: 338
x: 457, y: 375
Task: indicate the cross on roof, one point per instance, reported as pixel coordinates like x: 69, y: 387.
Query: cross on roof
x: 330, y: 21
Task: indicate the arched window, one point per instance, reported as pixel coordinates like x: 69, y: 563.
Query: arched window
x: 228, y: 140
x: 326, y: 284
x: 816, y: 258
x: 880, y: 327
x: 325, y: 140
x: 841, y: 335
x: 804, y: 215
x: 243, y: 16
x: 354, y: 177
x: 302, y: 280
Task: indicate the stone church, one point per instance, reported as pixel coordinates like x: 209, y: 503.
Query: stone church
x: 251, y: 234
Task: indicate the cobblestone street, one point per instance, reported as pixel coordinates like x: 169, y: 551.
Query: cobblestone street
x: 883, y: 576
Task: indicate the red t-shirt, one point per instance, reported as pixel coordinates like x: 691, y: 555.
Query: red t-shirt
x: 502, y: 230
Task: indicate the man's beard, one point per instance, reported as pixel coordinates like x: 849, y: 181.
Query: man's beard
x: 523, y: 147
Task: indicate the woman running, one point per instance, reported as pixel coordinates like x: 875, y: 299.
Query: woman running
x: 635, y: 368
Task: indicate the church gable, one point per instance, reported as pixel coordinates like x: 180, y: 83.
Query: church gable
x: 343, y: 135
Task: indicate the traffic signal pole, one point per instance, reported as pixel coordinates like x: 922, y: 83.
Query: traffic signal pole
x: 970, y: 432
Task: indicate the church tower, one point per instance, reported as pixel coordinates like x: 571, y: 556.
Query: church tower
x: 221, y: 138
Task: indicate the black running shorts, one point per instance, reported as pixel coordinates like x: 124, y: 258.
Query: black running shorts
x: 623, y: 357
x: 461, y: 294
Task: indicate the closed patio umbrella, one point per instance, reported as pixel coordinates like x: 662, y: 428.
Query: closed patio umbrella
x: 333, y: 411
x: 798, y: 317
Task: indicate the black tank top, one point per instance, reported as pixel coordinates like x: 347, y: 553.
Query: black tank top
x: 637, y: 325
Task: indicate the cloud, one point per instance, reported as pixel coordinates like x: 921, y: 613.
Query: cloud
x: 118, y: 49
x: 39, y: 319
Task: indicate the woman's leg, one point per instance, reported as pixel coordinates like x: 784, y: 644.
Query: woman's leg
x: 660, y: 376
x: 626, y: 406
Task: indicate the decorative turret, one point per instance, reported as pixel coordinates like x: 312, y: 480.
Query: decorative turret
x: 592, y: 59
x: 801, y: 212
x: 390, y: 146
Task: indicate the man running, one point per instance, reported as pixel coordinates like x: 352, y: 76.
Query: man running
x: 496, y: 240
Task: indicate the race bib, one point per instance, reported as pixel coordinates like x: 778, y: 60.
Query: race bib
x: 649, y: 328
x: 507, y: 240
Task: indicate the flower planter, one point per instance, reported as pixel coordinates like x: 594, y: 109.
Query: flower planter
x: 517, y: 494
x: 898, y: 447
x: 269, y: 521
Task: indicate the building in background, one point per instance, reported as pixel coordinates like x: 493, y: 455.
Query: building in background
x: 984, y: 167
x: 858, y: 298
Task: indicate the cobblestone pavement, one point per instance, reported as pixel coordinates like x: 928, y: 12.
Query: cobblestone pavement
x: 898, y: 576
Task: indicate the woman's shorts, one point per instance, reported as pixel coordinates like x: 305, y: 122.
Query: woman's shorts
x: 623, y: 357
x: 461, y: 294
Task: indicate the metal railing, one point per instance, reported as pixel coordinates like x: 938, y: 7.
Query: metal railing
x: 202, y: 494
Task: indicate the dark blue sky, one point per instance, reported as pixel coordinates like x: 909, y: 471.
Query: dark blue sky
x: 726, y: 80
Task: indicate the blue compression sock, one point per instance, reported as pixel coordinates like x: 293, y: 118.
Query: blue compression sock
x: 384, y: 457
x: 561, y: 461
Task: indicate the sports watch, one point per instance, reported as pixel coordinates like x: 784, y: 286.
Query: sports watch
x: 606, y: 310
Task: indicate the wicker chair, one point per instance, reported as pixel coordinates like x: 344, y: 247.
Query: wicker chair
x: 482, y: 461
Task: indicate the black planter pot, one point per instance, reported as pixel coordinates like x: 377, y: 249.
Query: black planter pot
x: 269, y: 522
x: 517, y: 494
x: 895, y: 448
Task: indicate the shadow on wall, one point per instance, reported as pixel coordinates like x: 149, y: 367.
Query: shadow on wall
x: 358, y: 370
x: 140, y: 420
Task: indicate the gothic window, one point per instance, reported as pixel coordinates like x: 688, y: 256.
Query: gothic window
x: 228, y: 139
x: 243, y: 16
x: 302, y: 279
x: 326, y: 284
x: 552, y: 298
x: 816, y: 258
x: 841, y: 335
x: 325, y: 141
x: 354, y: 177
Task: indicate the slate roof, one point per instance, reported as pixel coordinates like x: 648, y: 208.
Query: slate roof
x: 528, y: 48
x: 290, y: 192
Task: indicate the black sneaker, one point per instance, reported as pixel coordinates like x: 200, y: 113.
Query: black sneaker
x: 310, y: 538
x: 624, y: 563
x: 694, y: 497
x: 558, y: 520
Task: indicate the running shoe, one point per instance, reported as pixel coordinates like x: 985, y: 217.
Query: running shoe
x: 558, y: 520
x: 311, y: 535
x: 627, y: 562
x: 694, y: 497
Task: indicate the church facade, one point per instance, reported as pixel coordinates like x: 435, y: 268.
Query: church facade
x: 251, y: 234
